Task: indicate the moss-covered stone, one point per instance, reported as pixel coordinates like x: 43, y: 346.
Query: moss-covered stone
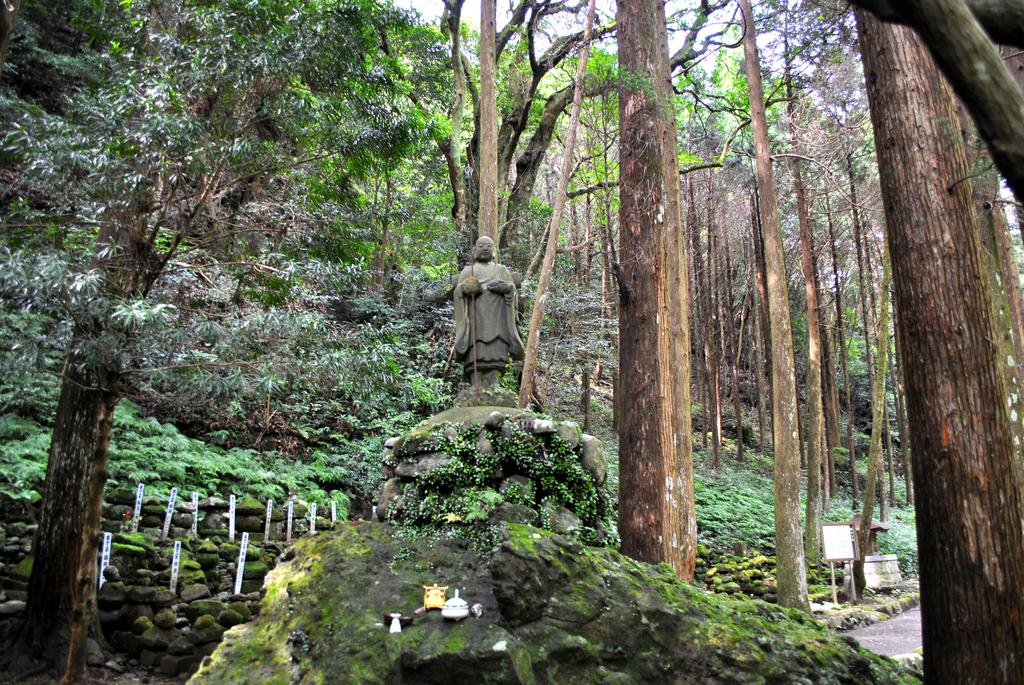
x: 556, y: 612
x: 23, y: 571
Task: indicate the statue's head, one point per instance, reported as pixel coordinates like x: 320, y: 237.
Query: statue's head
x: 484, y: 250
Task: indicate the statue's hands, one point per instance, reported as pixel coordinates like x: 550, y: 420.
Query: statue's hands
x: 471, y: 287
x: 502, y: 287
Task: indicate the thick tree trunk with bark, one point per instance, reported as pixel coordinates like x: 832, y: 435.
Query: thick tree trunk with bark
x: 651, y: 491
x: 679, y: 309
x: 61, y: 588
x: 969, y: 486
x: 792, y: 579
x: 488, y: 171
x: 976, y: 71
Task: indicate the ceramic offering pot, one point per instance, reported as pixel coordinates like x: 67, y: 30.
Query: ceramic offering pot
x: 455, y: 609
x: 396, y: 624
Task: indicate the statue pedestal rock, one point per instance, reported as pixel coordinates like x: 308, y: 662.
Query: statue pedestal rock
x: 486, y: 337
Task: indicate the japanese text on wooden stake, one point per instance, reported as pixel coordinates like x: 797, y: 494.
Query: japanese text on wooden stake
x: 266, y: 526
x: 312, y: 518
x: 105, y: 556
x: 288, y: 526
x: 170, y: 512
x: 241, y: 563
x: 195, y: 514
x: 175, y: 562
x: 231, y: 517
x: 334, y: 511
x: 138, y: 507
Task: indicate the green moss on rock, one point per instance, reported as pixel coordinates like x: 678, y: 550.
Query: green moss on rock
x: 556, y: 612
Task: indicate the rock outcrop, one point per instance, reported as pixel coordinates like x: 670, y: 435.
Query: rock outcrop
x: 555, y: 611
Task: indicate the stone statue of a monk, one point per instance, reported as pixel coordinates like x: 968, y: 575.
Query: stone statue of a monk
x: 486, y: 337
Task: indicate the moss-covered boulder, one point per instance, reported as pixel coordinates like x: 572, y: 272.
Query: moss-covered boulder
x: 555, y: 612
x: 471, y: 466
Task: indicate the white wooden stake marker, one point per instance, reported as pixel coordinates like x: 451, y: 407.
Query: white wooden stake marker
x: 231, y: 517
x: 334, y: 511
x: 105, y: 556
x: 175, y: 563
x: 170, y: 512
x: 312, y: 518
x: 288, y: 526
x: 195, y: 514
x: 138, y: 507
x: 266, y: 526
x: 241, y: 563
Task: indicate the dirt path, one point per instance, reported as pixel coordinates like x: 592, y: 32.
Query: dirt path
x: 898, y: 635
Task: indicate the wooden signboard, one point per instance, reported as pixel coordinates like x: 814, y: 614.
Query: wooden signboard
x: 231, y: 518
x: 334, y: 511
x: 312, y: 518
x: 840, y: 541
x: 195, y: 514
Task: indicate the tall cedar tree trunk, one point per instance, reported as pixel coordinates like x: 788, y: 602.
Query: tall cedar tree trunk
x: 452, y: 148
x: 791, y: 574
x: 698, y: 281
x: 815, y: 416
x: 977, y: 73
x: 842, y: 353
x: 488, y: 213
x: 875, y: 448
x: 713, y: 337
x: 679, y: 307
x: 651, y: 487
x: 969, y: 486
x: 869, y: 323
x: 762, y: 297
x: 60, y: 591
x: 544, y: 280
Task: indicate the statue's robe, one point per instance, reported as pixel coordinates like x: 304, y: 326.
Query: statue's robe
x: 485, y: 326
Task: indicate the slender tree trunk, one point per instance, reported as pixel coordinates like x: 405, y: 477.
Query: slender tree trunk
x: 453, y: 147
x: 968, y: 480
x: 713, y: 339
x: 843, y: 356
x: 585, y: 408
x: 488, y: 173
x: 791, y: 573
x: 60, y: 591
x: 765, y: 338
x: 699, y: 331
x: 8, y: 9
x: 815, y: 416
x: 651, y: 491
x: 526, y: 385
x: 875, y: 448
